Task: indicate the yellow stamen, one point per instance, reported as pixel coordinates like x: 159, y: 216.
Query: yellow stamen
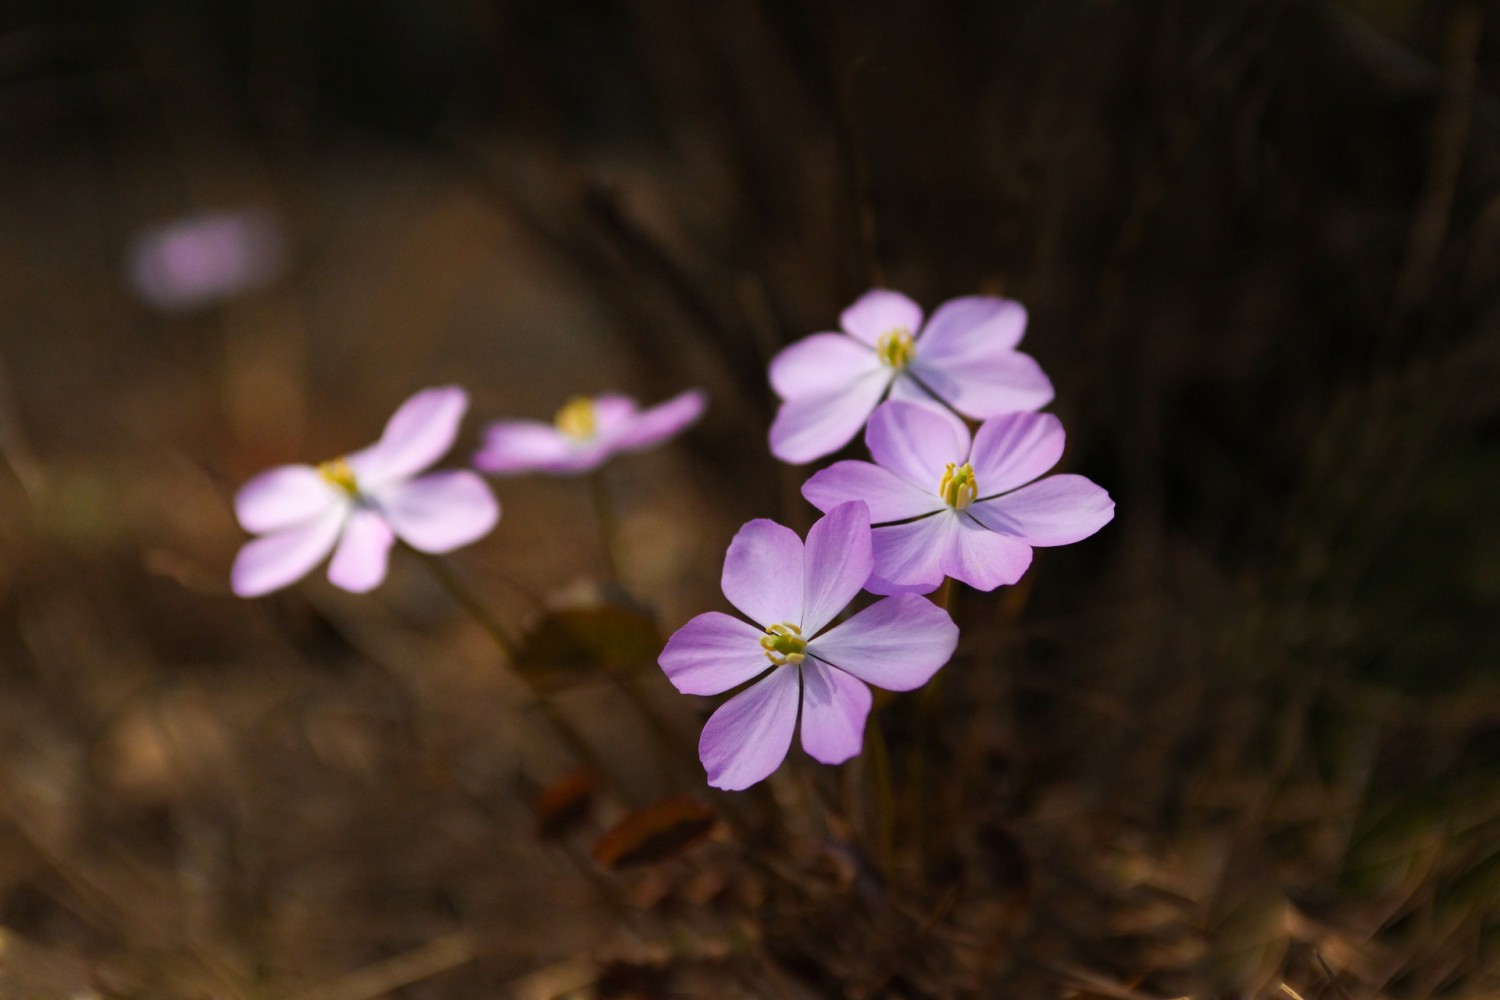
x: 576, y: 418
x: 895, y: 348
x: 784, y: 644
x: 957, y: 487
x: 338, y: 473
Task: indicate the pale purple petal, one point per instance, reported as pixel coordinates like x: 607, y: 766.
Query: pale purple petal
x: 360, y: 560
x: 820, y: 364
x: 1013, y: 450
x: 416, y: 436
x: 763, y: 573
x: 986, y: 385
x: 908, y: 557
x: 654, y: 425
x: 834, y: 708
x: 440, y: 512
x: 906, y: 390
x: 982, y: 558
x: 1058, y: 510
x: 889, y: 497
x: 748, y: 737
x: 275, y: 561
x: 713, y: 653
x: 879, y: 312
x: 512, y: 447
x: 809, y: 428
x: 916, y: 442
x: 975, y: 324
x: 281, y: 497
x: 613, y: 411
x: 896, y: 644
x: 838, y: 561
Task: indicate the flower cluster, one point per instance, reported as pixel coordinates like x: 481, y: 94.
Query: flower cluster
x: 940, y: 500
x: 359, y: 505
x: 937, y: 502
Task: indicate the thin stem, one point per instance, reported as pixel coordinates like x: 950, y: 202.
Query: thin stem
x: 885, y: 796
x: 450, y: 582
x: 460, y: 593
x: 608, y: 525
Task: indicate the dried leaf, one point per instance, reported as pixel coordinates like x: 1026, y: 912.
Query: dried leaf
x: 655, y: 832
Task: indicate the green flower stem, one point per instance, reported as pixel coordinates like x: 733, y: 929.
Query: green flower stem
x: 885, y: 796
x: 608, y: 525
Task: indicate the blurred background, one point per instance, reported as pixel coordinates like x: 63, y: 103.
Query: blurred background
x: 1243, y: 743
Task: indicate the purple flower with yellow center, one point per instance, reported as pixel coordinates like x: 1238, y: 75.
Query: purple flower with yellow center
x: 945, y: 505
x: 357, y: 506
x: 964, y: 357
x: 792, y: 592
x: 586, y: 433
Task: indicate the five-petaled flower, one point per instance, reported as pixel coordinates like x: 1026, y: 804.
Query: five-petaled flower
x: 585, y: 434
x: 965, y: 357
x: 362, y: 503
x: 791, y: 592
x: 944, y: 505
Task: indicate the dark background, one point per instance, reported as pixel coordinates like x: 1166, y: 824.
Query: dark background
x: 1244, y: 741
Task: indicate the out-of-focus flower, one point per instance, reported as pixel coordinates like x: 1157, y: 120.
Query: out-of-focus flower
x: 362, y: 503
x: 965, y: 357
x: 946, y: 506
x: 206, y: 258
x: 791, y: 592
x: 586, y: 433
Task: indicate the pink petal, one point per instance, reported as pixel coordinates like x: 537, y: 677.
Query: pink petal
x: 908, y: 557
x: 713, y: 653
x: 275, y: 561
x: 518, y: 446
x: 416, y: 436
x: 612, y: 411
x: 896, y: 644
x: 916, y: 442
x: 1013, y: 450
x: 440, y: 512
x: 820, y: 364
x: 809, y: 428
x: 973, y: 324
x: 662, y: 421
x: 838, y: 562
x: 834, y: 708
x: 360, y: 560
x: 879, y: 312
x: 986, y: 385
x: 748, y: 737
x: 889, y: 497
x: 1058, y: 510
x: 281, y: 497
x: 763, y: 573
x: 982, y: 558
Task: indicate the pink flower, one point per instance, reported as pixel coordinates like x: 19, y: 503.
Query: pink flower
x: 792, y: 592
x: 965, y: 357
x: 946, y: 506
x: 358, y: 505
x: 207, y: 258
x: 586, y: 433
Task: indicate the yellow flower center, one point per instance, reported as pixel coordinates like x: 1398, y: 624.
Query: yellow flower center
x: 784, y: 644
x: 576, y: 418
x: 894, y: 348
x: 338, y: 473
x: 957, y: 487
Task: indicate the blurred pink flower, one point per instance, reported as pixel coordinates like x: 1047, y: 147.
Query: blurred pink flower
x: 799, y: 666
x: 206, y: 258
x: 362, y: 503
x: 964, y: 356
x: 586, y: 433
x: 946, y: 506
